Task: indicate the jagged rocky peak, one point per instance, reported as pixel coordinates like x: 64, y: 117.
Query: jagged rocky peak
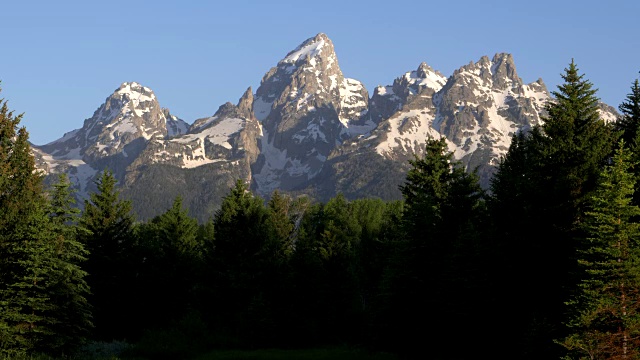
x: 245, y: 104
x: 424, y: 81
x: 504, y: 71
x: 132, y: 111
x: 132, y: 108
x: 310, y: 49
x: 483, y: 105
x: 175, y: 125
x: 136, y: 92
x: 303, y: 80
x: 425, y: 77
x: 113, y: 137
x: 477, y: 110
x: 412, y: 82
x: 308, y: 79
x: 499, y: 72
x: 539, y: 85
x: 306, y: 107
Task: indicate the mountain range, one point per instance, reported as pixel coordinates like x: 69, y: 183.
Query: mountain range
x: 307, y: 129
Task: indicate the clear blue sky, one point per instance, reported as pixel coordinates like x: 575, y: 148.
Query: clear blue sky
x: 61, y: 59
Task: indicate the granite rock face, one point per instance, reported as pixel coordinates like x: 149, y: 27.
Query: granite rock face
x: 113, y: 137
x: 306, y: 107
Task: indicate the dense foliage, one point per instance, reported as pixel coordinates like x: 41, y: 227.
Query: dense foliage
x: 544, y: 265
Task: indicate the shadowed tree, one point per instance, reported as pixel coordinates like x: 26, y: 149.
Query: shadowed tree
x: 108, y: 236
x: 538, y: 201
x: 427, y: 285
x: 605, y: 312
x: 172, y: 260
x: 69, y: 290
x: 629, y: 120
x: 628, y: 124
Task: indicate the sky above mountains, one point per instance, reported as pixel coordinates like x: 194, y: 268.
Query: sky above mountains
x: 62, y: 59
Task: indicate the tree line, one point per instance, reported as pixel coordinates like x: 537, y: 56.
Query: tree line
x: 545, y: 264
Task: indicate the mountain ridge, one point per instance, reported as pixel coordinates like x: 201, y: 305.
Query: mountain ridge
x: 307, y: 129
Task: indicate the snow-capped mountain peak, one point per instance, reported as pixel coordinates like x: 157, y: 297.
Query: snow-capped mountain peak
x: 306, y: 107
x: 114, y: 136
x: 425, y: 77
x: 308, y: 50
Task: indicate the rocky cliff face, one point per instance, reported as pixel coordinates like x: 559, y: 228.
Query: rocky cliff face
x: 477, y: 109
x: 230, y: 136
x: 306, y: 107
x: 155, y: 155
x: 307, y: 129
x: 112, y: 138
x: 200, y: 165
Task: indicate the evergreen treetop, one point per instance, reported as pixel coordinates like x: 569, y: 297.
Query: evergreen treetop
x: 629, y: 120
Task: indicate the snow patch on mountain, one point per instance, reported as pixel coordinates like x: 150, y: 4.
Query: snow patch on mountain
x: 218, y: 134
x: 425, y: 77
x: 175, y: 125
x: 261, y: 108
x: 408, y: 131
x: 79, y: 173
x: 385, y: 90
x: 268, y: 178
x: 353, y: 103
x: 304, y: 51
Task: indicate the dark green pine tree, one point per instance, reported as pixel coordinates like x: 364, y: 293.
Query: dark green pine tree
x: 278, y: 292
x: 68, y: 287
x: 25, y: 253
x: 605, y: 321
x: 109, y: 239
x: 428, y: 282
x: 236, y: 265
x: 170, y: 260
x: 539, y: 194
x: 280, y: 224
x: 577, y: 143
x: 629, y: 120
x: 179, y: 233
x: 336, y: 241
x: 239, y: 225
x: 440, y: 196
x: 628, y: 124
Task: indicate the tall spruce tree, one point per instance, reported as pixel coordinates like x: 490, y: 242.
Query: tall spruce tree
x: 24, y: 255
x: 170, y: 260
x: 68, y: 288
x: 428, y: 283
x: 25, y: 252
x: 628, y: 124
x: 178, y: 233
x: 108, y: 236
x: 629, y: 120
x: 236, y: 265
x: 539, y: 194
x: 577, y: 143
x: 605, y: 312
x: 280, y: 225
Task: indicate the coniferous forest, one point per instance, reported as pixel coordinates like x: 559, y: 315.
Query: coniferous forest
x: 545, y: 264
